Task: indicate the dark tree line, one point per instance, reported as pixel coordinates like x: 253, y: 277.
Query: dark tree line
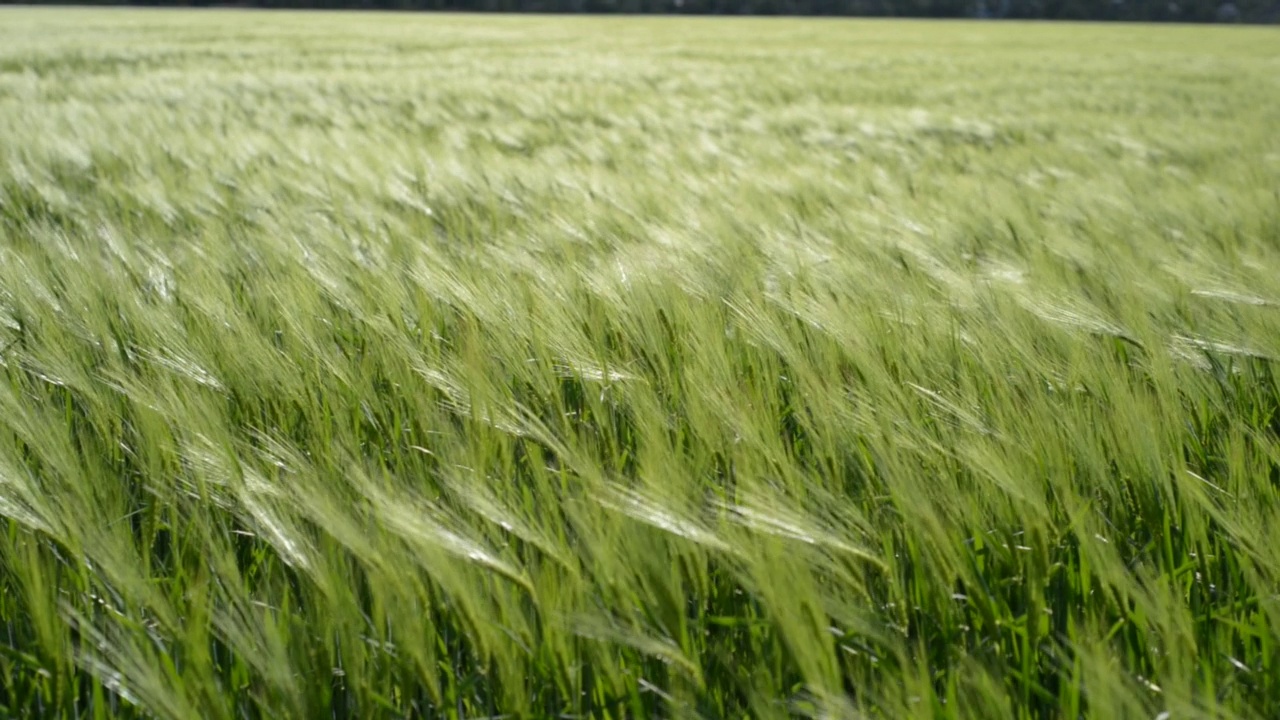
x: 1259, y: 11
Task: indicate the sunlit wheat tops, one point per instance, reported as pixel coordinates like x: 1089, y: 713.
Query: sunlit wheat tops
x: 362, y: 366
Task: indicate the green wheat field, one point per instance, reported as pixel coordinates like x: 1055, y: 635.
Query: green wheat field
x: 429, y: 366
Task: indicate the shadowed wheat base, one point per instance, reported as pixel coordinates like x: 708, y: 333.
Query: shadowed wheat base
x: 424, y: 366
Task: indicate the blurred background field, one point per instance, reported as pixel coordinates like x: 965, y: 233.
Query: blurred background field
x: 446, y: 366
